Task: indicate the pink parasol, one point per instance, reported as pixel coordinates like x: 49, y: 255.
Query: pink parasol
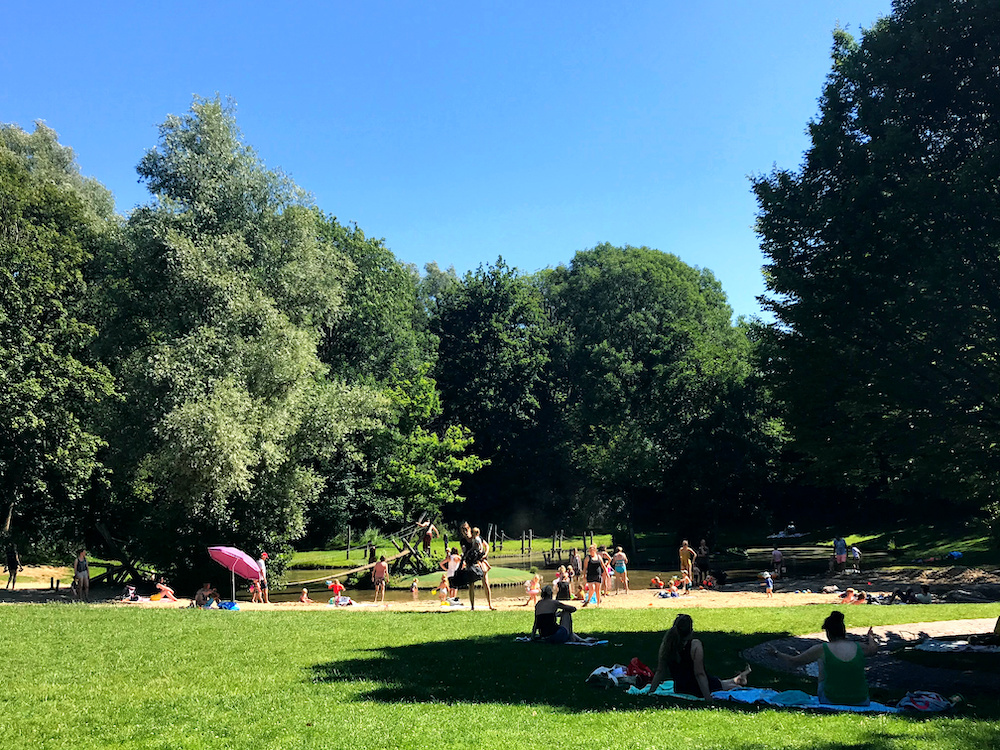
x: 238, y: 562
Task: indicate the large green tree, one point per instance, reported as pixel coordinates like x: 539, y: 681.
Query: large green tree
x: 884, y: 260
x: 663, y: 413
x: 215, y: 305
x: 51, y: 220
x: 494, y: 337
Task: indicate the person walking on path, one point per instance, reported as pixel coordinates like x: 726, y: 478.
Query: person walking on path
x: 81, y: 575
x: 379, y: 573
x: 13, y: 564
x: 856, y: 558
x: 840, y: 553
x: 777, y: 560
x: 687, y: 556
x: 262, y: 564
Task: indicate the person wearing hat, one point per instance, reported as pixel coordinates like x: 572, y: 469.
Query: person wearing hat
x: 262, y: 564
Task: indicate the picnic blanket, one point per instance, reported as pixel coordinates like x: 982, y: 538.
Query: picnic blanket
x: 666, y: 689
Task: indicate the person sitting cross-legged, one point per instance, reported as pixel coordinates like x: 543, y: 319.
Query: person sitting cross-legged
x: 554, y: 620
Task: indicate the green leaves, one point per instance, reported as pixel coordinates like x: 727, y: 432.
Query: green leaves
x: 884, y: 259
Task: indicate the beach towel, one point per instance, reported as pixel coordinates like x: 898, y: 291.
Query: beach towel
x: 797, y: 699
x: 666, y: 689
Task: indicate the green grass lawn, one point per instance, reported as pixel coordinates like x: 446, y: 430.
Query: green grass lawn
x: 104, y: 677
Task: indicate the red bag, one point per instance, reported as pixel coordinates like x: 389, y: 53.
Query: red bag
x: 643, y: 674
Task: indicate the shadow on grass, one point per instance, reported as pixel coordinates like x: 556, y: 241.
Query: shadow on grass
x: 499, y: 670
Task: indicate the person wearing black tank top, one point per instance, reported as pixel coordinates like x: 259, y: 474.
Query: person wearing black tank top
x: 682, y: 657
x: 594, y: 566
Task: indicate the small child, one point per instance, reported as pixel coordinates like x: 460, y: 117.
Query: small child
x: 442, y: 590
x: 484, y: 547
x: 768, y: 585
x: 336, y: 587
x: 257, y: 595
x: 534, y: 588
x: 415, y: 589
x: 656, y: 582
x: 304, y: 597
x: 686, y: 582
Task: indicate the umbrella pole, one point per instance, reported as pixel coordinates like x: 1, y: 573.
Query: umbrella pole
x: 232, y: 573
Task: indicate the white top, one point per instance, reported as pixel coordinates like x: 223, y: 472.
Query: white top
x: 263, y: 568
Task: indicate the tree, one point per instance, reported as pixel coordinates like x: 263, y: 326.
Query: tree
x: 884, y: 260
x: 51, y: 219
x: 215, y: 305
x: 492, y: 369
x: 662, y: 413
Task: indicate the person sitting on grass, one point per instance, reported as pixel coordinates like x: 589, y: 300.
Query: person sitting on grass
x: 682, y: 658
x: 547, y: 628
x: 842, y: 679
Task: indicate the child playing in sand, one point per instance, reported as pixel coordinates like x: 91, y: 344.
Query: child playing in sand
x: 257, y: 596
x: 656, y: 582
x: 415, y: 589
x: 442, y: 590
x: 768, y: 585
x: 304, y: 597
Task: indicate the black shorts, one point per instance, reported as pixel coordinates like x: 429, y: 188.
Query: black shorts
x: 451, y: 582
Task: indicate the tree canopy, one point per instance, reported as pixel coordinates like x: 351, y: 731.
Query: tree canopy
x: 884, y: 260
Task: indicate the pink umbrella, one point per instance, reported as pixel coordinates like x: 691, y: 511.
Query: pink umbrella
x: 237, y: 562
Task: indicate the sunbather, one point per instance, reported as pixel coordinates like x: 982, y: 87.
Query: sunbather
x: 546, y: 626
x: 682, y: 658
x: 842, y: 679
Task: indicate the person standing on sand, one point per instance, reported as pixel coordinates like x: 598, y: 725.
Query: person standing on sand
x: 81, y: 575
x: 262, y: 564
x: 576, y: 565
x: 13, y: 566
x: 595, y: 566
x: 620, y: 562
x: 379, y: 573
x: 703, y: 557
x: 687, y: 556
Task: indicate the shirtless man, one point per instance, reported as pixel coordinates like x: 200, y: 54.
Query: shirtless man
x: 379, y: 573
x: 687, y: 556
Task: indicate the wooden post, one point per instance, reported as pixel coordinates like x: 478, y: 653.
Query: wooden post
x: 553, y: 541
x: 591, y: 537
x: 502, y: 535
x: 531, y: 535
x: 522, y: 542
x: 348, y: 556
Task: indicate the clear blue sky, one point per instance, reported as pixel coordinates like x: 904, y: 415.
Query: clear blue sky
x: 460, y: 131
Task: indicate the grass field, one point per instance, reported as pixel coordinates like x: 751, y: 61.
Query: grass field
x: 104, y: 677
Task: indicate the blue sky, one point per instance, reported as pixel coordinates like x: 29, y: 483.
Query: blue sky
x: 460, y: 131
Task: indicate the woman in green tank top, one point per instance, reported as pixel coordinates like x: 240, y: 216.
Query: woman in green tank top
x: 841, y: 663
